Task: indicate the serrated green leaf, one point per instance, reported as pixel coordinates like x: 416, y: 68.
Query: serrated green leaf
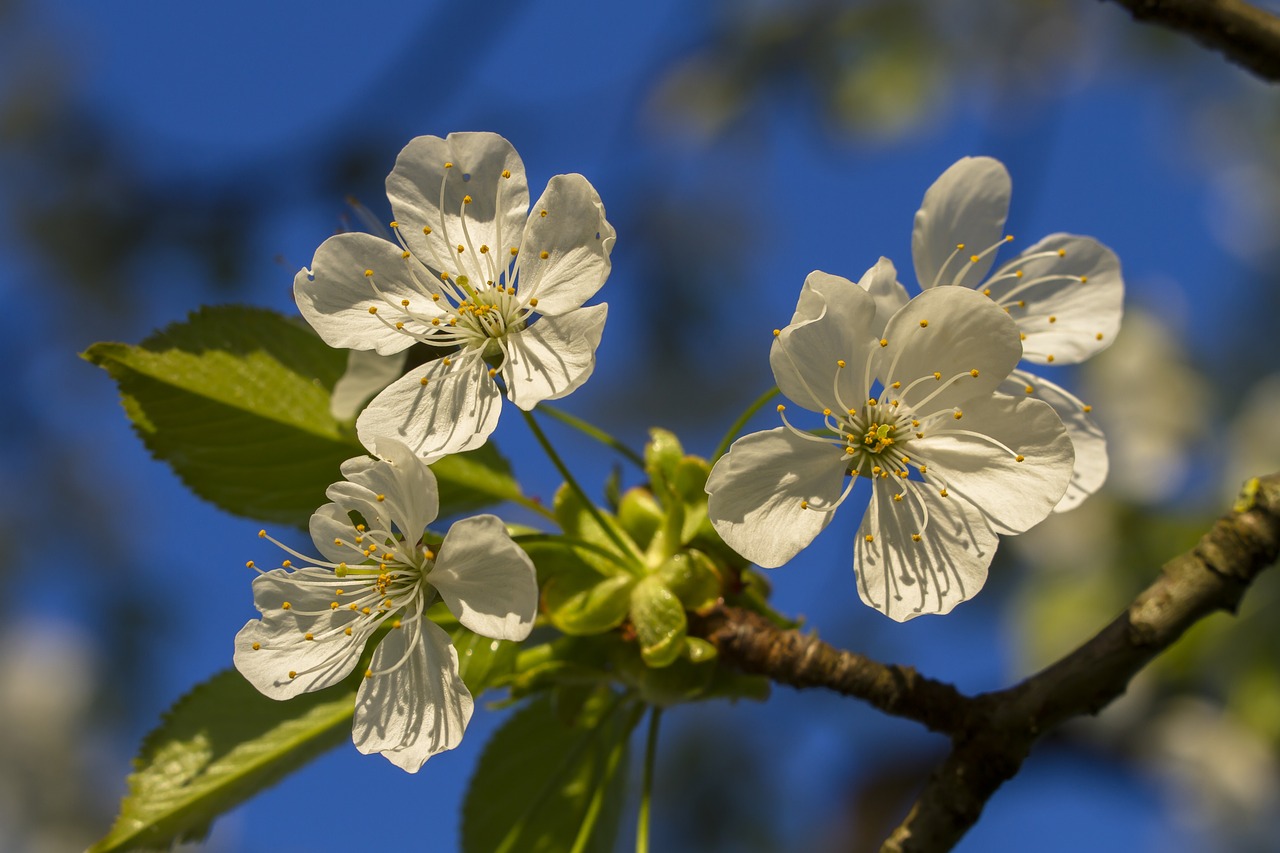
x: 236, y: 400
x: 544, y: 787
x: 217, y: 746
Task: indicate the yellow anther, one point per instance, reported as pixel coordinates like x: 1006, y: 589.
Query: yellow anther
x: 1030, y: 389
x: 840, y: 362
x: 959, y: 247
x: 448, y: 165
x: 1048, y: 358
x: 395, y: 624
x: 257, y: 646
x: 293, y: 674
x: 974, y: 373
x: 506, y: 173
x: 973, y: 259
x: 986, y: 291
x: 924, y: 468
x: 1062, y: 253
x: 1022, y: 336
x: 435, y: 321
x: 958, y: 415
x: 423, y: 381
x: 1088, y: 409
x: 904, y: 473
x: 884, y: 342
x: 373, y: 309
x: 804, y: 504
x: 514, y: 251
x: 924, y: 324
x: 915, y: 423
x: 1083, y: 279
x: 435, y: 297
x: 542, y: 213
x: 896, y: 385
x: 533, y: 302
x: 249, y: 565
x: 869, y: 538
x: 444, y: 276
x: 871, y: 401
x: 466, y: 199
x: 777, y: 332
x: 368, y: 273
x: 286, y: 606
x: 937, y: 375
x: 337, y: 541
x: 493, y: 371
x: 826, y: 411
x: 366, y: 611
x: 484, y: 250
x: 544, y: 255
x: 1052, y: 318
x: 898, y: 497
x: 347, y: 631
x: 426, y: 229
x: 404, y: 302
x: 919, y: 435
x: 406, y: 254
x: 1008, y: 238
x: 352, y: 606
x: 1098, y: 336
x: 447, y: 361
x: 461, y: 248
x: 876, y: 470
x: 781, y: 408
x: 308, y: 636
x: 394, y: 224
x: 1022, y: 303
x: 262, y: 534
x: 915, y: 537
x: 368, y: 673
x: 1018, y: 274
x: 1019, y: 458
x: 943, y: 493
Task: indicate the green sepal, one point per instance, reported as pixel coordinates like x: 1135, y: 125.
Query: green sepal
x: 583, y: 603
x: 236, y: 401
x: 578, y: 522
x: 661, y: 456
x: 544, y: 787
x: 640, y: 515
x: 692, y: 576
x: 218, y: 746
x: 659, y: 621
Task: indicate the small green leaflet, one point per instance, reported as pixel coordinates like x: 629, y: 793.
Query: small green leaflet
x: 236, y: 400
x: 546, y: 787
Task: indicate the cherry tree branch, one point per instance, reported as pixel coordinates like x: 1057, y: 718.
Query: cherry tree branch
x: 993, y: 733
x: 1245, y: 34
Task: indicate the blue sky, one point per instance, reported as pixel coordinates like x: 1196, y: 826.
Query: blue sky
x: 249, y: 93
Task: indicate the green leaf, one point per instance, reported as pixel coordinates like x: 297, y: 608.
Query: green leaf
x: 217, y: 746
x: 544, y: 787
x: 236, y: 400
x: 483, y: 663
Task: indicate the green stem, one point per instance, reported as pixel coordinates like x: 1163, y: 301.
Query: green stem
x: 741, y: 421
x: 594, y: 432
x: 646, y: 791
x: 573, y: 484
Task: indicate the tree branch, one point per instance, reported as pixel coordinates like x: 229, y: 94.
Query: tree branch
x: 993, y: 733
x: 1246, y: 35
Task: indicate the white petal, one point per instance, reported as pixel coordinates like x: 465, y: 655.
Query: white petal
x: 756, y: 489
x: 903, y: 578
x: 281, y: 634
x: 836, y: 320
x: 367, y: 374
x: 455, y: 411
x: 950, y: 331
x: 494, y: 217
x: 967, y: 205
x: 486, y: 580
x: 331, y: 528
x: 1014, y: 496
x: 419, y: 709
x: 1086, y: 436
x: 554, y: 356
x: 1061, y: 315
x: 577, y: 240
x: 881, y: 281
x: 335, y: 294
x: 409, y: 489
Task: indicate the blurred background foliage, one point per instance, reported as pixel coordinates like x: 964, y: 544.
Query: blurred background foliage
x: 739, y: 146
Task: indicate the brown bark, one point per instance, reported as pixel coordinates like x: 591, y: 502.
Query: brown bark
x: 1244, y: 34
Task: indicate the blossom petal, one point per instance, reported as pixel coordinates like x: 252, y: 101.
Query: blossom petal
x: 1067, y: 305
x: 881, y: 281
x: 554, y: 356
x: 455, y: 410
x: 904, y: 578
x: 281, y: 634
x: 834, y: 321
x: 568, y: 225
x: 419, y: 708
x: 486, y: 580
x: 756, y: 489
x: 335, y: 295
x: 408, y: 487
x: 950, y: 331
x: 975, y: 459
x: 331, y: 527
x: 430, y: 186
x: 966, y: 206
x: 1086, y: 436
x: 367, y: 373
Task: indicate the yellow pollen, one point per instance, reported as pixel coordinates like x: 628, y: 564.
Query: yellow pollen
x: 395, y: 624
x: 466, y: 199
x: 884, y: 342
x: 915, y: 423
x: 871, y: 401
x: 533, y: 302
x: 974, y: 373
x: 986, y: 291
x: 896, y: 385
x: 898, y: 497
x: 422, y: 381
x: 1098, y: 336
x: 777, y: 332
x: 826, y: 411
x: 1062, y: 253
x: 1088, y: 409
x: 869, y: 538
x: 352, y: 606
x: 333, y: 605
x: 444, y: 276
x: 514, y: 251
x: 1022, y: 336
x: 1022, y: 303
x: 919, y: 435
x: 1018, y: 274
x: 937, y: 375
x: 249, y: 565
x: 1083, y: 279
x: 915, y: 537
x: 542, y: 213
x: 804, y: 504
x: 286, y: 606
x: 924, y: 324
x: 373, y: 309
x: 840, y: 362
x: 347, y: 631
x: 308, y: 636
x: 943, y: 493
x: 366, y: 611
x: 394, y: 224
x: 506, y: 173
x: 368, y: 673
x: 461, y: 248
x: 959, y: 414
x: 262, y: 534
x: 973, y: 259
x: 484, y: 250
x: 493, y: 371
x: 404, y: 302
x: 426, y: 229
x: 1029, y: 389
x: 1053, y: 319
x: 924, y: 468
x: 406, y: 254
x: 1008, y: 238
x: 435, y: 297
x: 368, y: 273
x: 293, y: 674
x: 1019, y: 458
x: 781, y: 408
x: 959, y: 247
x: 1048, y: 358
x: 448, y: 165
x: 544, y: 255
x: 381, y: 498
x: 257, y: 646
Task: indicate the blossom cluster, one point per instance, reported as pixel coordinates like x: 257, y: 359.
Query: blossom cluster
x: 923, y: 398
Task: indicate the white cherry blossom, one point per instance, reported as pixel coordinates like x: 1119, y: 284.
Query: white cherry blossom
x: 376, y: 580
x: 1065, y: 293
x: 474, y: 271
x: 911, y: 406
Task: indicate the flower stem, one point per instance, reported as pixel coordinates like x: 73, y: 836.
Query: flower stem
x: 646, y: 791
x: 591, y: 508
x: 594, y: 432
x: 741, y: 421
